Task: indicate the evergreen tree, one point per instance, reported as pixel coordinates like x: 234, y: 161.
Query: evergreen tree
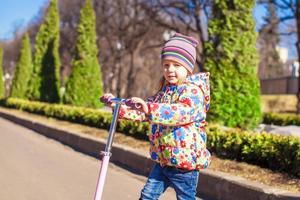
x: 2, y: 84
x: 84, y: 86
x: 23, y: 70
x: 44, y: 84
x: 232, y: 60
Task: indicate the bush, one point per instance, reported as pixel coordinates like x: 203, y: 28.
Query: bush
x: 2, y: 84
x: 232, y: 60
x: 276, y: 152
x: 280, y: 153
x: 84, y: 86
x: 81, y: 115
x: 44, y: 83
x: 281, y: 119
x: 23, y: 70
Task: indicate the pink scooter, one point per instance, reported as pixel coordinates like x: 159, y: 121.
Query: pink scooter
x: 106, y: 154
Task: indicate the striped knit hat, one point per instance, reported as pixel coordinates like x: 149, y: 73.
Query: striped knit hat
x: 182, y: 49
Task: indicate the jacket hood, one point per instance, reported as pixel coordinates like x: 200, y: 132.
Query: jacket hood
x: 202, y: 80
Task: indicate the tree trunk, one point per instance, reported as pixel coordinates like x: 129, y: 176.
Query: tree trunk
x: 130, y: 76
x: 199, y: 27
x: 119, y: 78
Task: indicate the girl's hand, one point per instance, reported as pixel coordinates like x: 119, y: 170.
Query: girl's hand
x: 141, y: 102
x: 106, y: 99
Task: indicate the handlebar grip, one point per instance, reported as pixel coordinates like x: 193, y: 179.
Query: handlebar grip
x: 105, y: 100
x: 129, y: 103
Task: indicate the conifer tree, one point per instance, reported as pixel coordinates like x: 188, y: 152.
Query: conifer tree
x: 84, y: 86
x: 23, y: 70
x: 232, y: 60
x: 2, y: 85
x: 44, y: 84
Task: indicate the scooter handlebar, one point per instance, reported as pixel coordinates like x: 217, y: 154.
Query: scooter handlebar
x: 137, y: 106
x: 127, y: 102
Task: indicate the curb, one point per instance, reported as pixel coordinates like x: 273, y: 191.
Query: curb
x: 212, y: 184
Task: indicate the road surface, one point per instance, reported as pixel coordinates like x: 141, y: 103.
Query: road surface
x: 34, y: 167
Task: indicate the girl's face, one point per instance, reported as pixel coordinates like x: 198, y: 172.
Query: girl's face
x: 174, y: 71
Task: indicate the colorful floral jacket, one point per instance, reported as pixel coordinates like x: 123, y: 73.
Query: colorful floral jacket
x: 177, y: 116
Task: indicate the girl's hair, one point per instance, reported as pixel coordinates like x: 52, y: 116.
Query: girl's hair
x: 161, y: 84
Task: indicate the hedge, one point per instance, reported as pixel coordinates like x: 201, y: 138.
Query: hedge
x: 279, y: 153
x: 276, y: 152
x: 281, y: 119
x: 87, y: 116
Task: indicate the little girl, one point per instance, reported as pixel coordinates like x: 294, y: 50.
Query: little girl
x: 177, y: 116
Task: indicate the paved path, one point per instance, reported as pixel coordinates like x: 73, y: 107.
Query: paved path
x: 282, y: 130
x: 33, y: 167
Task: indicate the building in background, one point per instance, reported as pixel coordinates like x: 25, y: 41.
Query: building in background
x: 283, y: 54
x: 290, y: 66
x: 287, y: 81
x: 295, y: 69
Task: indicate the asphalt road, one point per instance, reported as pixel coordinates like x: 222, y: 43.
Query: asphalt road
x: 33, y: 167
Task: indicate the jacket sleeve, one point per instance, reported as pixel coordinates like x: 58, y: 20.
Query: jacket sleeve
x: 130, y: 114
x: 189, y: 108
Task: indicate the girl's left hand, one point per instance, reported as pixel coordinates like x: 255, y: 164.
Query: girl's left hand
x: 137, y: 100
x: 106, y: 99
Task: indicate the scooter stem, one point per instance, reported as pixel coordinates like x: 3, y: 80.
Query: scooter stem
x: 106, y: 154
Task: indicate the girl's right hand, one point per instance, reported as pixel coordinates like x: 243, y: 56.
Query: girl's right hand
x: 106, y: 99
x: 139, y: 104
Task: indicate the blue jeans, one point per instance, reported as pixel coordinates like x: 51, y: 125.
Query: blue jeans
x: 160, y: 178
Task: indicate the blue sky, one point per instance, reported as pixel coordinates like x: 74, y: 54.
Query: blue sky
x: 17, y: 13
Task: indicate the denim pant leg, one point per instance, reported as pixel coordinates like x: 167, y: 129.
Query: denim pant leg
x: 184, y: 183
x: 155, y: 185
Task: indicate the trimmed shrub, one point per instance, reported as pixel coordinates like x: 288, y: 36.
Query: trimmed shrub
x: 232, y: 60
x: 2, y: 84
x: 84, y: 86
x: 279, y: 153
x: 281, y: 119
x: 23, y: 70
x: 276, y: 152
x: 44, y: 84
x: 87, y: 116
